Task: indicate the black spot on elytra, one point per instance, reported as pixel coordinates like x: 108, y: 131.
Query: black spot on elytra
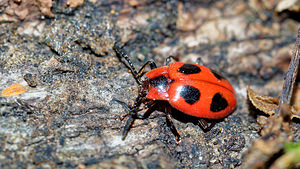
x: 218, y: 103
x: 160, y: 82
x: 217, y: 75
x: 189, y: 69
x: 190, y: 94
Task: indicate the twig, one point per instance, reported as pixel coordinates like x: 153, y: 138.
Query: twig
x: 290, y: 78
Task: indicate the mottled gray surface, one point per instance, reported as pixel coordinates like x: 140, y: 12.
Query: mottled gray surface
x: 71, y: 119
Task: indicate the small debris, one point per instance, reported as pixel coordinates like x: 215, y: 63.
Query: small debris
x: 13, y: 90
x: 30, y: 79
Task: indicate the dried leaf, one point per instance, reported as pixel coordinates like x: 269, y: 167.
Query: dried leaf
x: 265, y: 104
x: 268, y: 105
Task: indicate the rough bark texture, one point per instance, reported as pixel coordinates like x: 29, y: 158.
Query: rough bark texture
x: 70, y: 118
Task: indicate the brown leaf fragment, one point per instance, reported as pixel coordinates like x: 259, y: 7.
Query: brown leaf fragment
x: 262, y: 120
x: 265, y: 104
x: 269, y: 146
x: 295, y: 112
x: 295, y: 102
x: 272, y: 125
x: 75, y: 3
x: 268, y: 105
x: 45, y: 7
x: 275, y: 131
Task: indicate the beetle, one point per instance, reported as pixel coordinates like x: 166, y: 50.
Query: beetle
x: 190, y: 88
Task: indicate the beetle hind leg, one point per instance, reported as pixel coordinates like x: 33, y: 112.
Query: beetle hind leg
x: 171, y: 124
x: 206, y: 124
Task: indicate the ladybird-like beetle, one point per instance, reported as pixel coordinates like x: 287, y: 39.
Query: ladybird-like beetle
x: 192, y: 89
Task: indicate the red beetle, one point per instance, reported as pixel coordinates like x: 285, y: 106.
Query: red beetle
x: 190, y: 88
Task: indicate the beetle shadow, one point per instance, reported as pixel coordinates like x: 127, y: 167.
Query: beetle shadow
x: 205, y: 124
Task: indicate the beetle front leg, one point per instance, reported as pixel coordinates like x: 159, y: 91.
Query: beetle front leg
x: 128, y: 125
x: 152, y: 106
x: 131, y: 116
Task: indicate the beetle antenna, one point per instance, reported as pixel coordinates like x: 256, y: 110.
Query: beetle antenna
x: 120, y: 52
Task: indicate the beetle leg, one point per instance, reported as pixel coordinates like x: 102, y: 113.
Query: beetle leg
x: 126, y: 107
x: 173, y: 128
x: 168, y: 60
x: 205, y: 124
x: 199, y: 61
x: 152, y: 107
x: 132, y: 115
x: 137, y: 116
x: 128, y: 125
x: 150, y: 63
x: 171, y: 124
